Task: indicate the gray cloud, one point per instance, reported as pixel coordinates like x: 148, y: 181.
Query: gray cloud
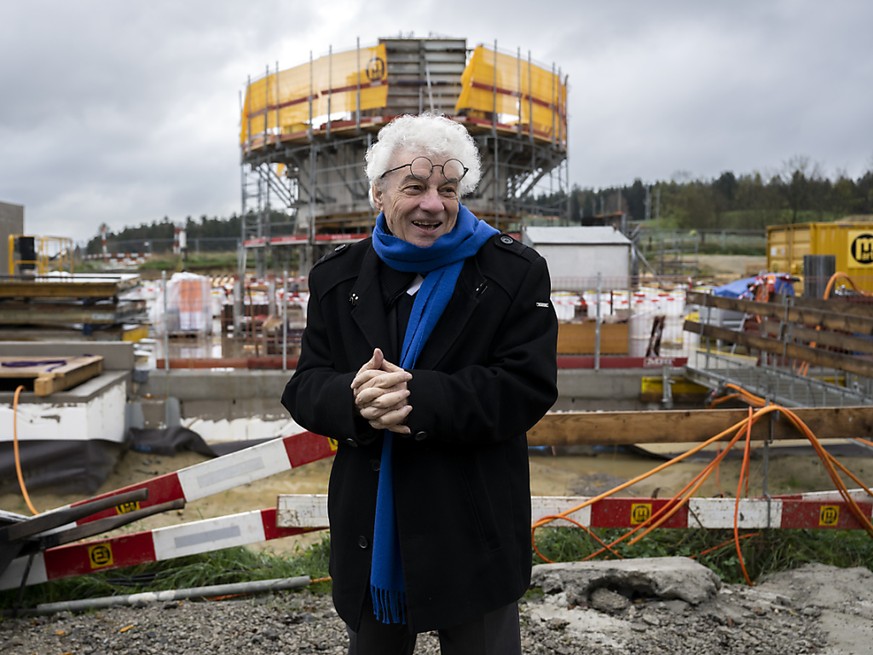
x: 128, y: 112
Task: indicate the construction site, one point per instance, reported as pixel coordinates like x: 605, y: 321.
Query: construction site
x: 740, y: 402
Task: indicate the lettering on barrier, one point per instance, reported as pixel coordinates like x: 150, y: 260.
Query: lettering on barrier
x: 829, y: 516
x: 100, y: 556
x: 640, y: 513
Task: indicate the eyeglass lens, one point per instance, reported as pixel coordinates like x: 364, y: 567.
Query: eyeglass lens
x: 422, y: 168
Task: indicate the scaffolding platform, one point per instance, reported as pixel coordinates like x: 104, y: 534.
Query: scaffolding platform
x: 783, y: 387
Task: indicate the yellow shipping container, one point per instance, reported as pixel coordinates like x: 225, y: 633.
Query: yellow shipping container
x: 851, y: 244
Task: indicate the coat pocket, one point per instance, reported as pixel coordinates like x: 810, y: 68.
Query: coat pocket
x: 481, y: 503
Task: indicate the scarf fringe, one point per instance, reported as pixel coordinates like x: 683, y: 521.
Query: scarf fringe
x: 389, y: 606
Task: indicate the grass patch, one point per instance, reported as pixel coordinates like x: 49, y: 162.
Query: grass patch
x: 220, y: 567
x: 769, y: 551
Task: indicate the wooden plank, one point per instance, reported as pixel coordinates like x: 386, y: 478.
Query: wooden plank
x: 580, y: 338
x: 689, y: 426
x: 806, y: 316
x: 51, y: 374
x: 835, y: 305
x: 821, y: 338
x: 76, y: 286
x: 57, y: 313
x: 814, y: 356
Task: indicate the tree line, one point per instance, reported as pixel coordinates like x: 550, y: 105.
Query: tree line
x: 799, y: 193
x: 749, y: 202
x: 210, y: 233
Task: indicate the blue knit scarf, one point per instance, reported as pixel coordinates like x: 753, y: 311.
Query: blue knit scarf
x: 440, y: 264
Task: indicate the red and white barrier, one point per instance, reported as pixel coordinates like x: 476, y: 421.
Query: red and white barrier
x: 150, y: 546
x: 190, y: 483
x: 310, y: 511
x: 222, y: 473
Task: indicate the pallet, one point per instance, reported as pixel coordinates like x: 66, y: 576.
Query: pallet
x: 51, y: 374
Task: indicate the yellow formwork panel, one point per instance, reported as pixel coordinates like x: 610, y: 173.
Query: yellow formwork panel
x: 519, y: 91
x: 338, y: 83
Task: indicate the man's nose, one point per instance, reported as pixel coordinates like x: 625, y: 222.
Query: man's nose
x: 431, y: 200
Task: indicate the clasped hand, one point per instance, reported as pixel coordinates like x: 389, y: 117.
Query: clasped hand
x: 381, y: 394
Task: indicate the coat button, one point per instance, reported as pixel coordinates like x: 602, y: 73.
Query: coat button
x: 352, y: 442
x: 506, y: 239
x: 375, y: 464
x: 363, y: 543
x: 421, y: 435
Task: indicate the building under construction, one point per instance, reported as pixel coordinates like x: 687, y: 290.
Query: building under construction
x: 304, y: 132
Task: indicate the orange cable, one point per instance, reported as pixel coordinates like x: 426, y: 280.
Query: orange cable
x: 16, y: 452
x: 712, y: 549
x: 683, y: 497
x: 828, y: 461
x: 743, y: 474
x: 829, y: 467
x: 663, y: 514
x: 648, y: 474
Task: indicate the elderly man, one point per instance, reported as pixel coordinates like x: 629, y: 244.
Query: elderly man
x: 429, y: 351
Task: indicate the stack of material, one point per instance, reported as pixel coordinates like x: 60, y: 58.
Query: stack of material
x: 188, y: 300
x: 90, y: 306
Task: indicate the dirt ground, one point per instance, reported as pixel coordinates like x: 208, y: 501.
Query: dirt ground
x: 732, y: 266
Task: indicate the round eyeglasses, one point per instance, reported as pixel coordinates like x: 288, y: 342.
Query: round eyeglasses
x: 421, y: 168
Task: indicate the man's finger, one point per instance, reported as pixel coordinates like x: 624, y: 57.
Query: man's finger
x: 393, y: 420
x: 373, y: 364
x: 383, y: 403
x: 364, y: 377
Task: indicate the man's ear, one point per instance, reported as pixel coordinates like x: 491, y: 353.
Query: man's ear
x: 376, y: 195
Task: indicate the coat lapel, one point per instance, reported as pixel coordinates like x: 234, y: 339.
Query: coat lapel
x: 368, y: 309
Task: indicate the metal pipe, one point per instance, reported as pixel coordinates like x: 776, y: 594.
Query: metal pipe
x: 255, y: 586
x: 166, y: 323
x: 285, y: 320
x: 597, y: 324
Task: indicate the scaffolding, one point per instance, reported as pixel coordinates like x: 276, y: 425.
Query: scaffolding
x: 305, y: 130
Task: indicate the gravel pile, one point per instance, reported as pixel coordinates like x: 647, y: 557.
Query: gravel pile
x: 738, y: 620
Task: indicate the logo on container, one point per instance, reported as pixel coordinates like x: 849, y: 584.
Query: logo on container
x: 861, y: 248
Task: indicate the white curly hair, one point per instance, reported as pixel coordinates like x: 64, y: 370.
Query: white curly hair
x: 427, y: 134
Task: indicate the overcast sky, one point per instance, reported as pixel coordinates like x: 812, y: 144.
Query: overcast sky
x: 125, y: 112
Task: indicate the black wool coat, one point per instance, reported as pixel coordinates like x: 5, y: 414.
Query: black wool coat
x: 461, y: 478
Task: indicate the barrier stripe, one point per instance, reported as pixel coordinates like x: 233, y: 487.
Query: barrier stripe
x: 300, y: 513
x: 150, y: 546
x: 190, y: 483
x: 310, y: 511
x: 223, y: 473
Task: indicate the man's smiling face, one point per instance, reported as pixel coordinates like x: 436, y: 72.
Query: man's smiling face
x: 418, y: 211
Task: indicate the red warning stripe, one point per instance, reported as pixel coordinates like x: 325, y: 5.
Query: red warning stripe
x: 709, y: 513
x: 301, y: 448
x: 149, y: 546
x: 631, y: 512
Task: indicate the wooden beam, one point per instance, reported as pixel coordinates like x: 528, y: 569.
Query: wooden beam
x: 807, y: 316
x: 691, y: 426
x: 803, y: 353
x: 51, y: 313
x: 836, y: 305
x: 66, y: 377
x: 821, y: 338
